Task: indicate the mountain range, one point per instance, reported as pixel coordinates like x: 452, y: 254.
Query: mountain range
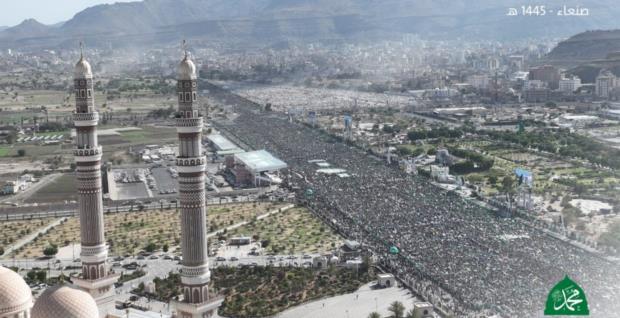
x: 267, y: 21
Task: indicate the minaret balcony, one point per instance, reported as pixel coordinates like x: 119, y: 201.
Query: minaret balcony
x: 189, y: 125
x: 191, y: 164
x: 87, y: 154
x: 108, y: 280
x: 85, y: 119
x: 196, y: 310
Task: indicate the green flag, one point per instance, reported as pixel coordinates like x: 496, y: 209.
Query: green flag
x: 394, y: 250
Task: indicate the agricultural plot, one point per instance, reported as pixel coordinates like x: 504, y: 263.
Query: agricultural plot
x: 292, y: 231
x: 12, y: 231
x: 266, y: 291
x: 60, y: 190
x: 130, y: 232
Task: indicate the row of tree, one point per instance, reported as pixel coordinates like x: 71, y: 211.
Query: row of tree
x: 396, y: 309
x: 437, y: 132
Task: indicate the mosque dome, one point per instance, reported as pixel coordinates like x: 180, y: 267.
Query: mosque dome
x: 186, y: 69
x: 65, y: 301
x: 15, y: 295
x: 82, y: 69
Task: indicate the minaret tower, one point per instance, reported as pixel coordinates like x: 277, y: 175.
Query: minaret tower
x: 96, y: 278
x: 191, y: 165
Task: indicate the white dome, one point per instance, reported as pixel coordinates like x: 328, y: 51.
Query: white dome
x: 65, y: 301
x: 82, y: 69
x: 15, y: 295
x: 186, y: 69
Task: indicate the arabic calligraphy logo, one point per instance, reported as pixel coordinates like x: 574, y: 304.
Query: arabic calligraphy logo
x: 566, y: 298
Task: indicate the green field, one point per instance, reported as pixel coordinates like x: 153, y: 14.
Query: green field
x: 61, y: 189
x: 292, y: 231
x: 4, y: 151
x: 53, y: 133
x: 134, y: 136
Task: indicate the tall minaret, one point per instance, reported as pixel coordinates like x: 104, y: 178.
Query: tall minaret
x: 191, y: 165
x: 95, y: 278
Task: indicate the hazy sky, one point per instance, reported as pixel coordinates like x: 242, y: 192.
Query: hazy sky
x: 13, y: 12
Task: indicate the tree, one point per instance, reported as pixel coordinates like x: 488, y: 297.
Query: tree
x: 151, y: 247
x: 397, y: 309
x: 21, y: 152
x: 12, y: 137
x: 508, y: 184
x: 50, y: 250
x: 165, y: 248
x: 1, y: 250
x: 41, y: 275
x: 31, y: 275
x: 265, y: 243
x: 374, y: 314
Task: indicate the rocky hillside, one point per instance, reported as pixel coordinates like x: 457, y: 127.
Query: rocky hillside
x: 585, y: 47
x: 157, y: 21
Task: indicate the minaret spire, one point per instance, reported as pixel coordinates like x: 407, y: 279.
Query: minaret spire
x: 198, y: 301
x: 96, y: 278
x: 81, y: 50
x: 184, y: 46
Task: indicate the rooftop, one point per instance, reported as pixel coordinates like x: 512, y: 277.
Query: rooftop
x: 221, y: 142
x: 260, y: 160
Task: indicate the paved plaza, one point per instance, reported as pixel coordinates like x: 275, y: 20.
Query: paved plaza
x: 355, y: 305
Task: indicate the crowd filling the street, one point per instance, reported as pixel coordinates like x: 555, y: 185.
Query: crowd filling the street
x: 456, y: 253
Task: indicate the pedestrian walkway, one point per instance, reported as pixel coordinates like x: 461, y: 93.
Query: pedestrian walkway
x: 260, y: 217
x: 28, y: 238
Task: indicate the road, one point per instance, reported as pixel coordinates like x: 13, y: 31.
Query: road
x: 127, y: 207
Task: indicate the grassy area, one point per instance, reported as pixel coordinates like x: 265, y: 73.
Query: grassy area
x: 11, y: 231
x: 130, y: 232
x: 53, y: 133
x: 612, y: 236
x: 4, y: 151
x: 60, y: 190
x: 134, y: 136
x: 293, y: 231
x: 36, y: 151
x: 266, y: 291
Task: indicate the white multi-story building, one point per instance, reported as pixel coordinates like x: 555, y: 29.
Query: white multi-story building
x: 605, y: 83
x: 479, y: 81
x: 569, y: 85
x: 534, y: 84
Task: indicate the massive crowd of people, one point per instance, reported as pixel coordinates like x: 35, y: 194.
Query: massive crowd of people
x: 455, y: 253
